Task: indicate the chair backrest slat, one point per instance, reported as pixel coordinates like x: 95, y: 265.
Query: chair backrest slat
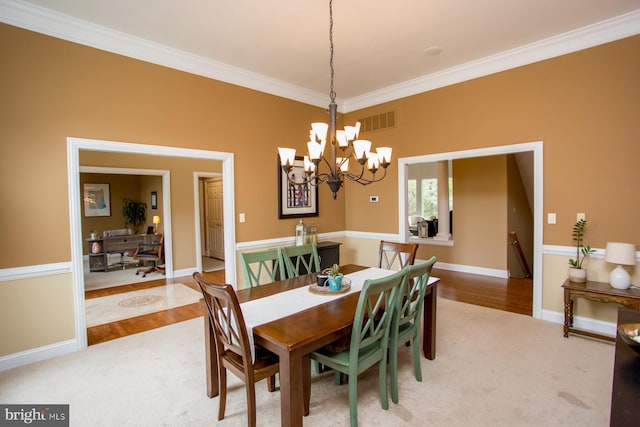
x: 413, y: 298
x: 301, y: 259
x: 396, y: 256
x: 375, y: 310
x: 226, y: 319
x: 262, y: 266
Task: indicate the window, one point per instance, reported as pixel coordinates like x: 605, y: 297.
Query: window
x: 422, y: 197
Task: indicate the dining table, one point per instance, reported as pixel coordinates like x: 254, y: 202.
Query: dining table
x: 295, y: 335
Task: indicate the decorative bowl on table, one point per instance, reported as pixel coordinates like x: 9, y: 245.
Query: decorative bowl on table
x: 630, y: 334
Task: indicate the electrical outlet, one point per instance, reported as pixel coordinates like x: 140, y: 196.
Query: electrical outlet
x: 373, y: 199
x: 551, y: 218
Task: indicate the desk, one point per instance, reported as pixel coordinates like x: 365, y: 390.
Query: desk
x: 625, y: 393
x: 595, y: 291
x: 293, y: 337
x: 101, y: 247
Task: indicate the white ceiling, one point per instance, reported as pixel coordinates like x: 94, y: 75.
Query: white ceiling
x: 380, y: 48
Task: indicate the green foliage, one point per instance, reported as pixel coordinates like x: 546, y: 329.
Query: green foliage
x: 134, y: 213
x: 578, y: 237
x: 335, y: 271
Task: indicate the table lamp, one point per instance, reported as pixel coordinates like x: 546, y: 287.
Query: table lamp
x: 156, y: 221
x: 621, y: 254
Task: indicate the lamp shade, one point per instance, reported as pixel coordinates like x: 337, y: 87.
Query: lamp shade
x: 156, y: 219
x: 620, y: 253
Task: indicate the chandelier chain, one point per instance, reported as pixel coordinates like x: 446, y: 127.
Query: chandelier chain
x: 332, y: 93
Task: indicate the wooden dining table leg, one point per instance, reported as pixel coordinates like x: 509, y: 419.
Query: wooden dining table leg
x: 429, y: 322
x: 291, y: 388
x: 211, y: 361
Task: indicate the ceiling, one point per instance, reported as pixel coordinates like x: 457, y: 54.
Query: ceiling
x: 382, y: 50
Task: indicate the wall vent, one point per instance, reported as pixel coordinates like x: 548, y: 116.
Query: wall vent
x: 378, y: 121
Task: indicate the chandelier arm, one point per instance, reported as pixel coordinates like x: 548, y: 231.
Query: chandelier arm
x: 366, y: 181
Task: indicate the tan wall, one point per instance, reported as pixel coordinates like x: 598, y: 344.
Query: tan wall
x: 584, y: 106
x: 54, y: 89
x: 35, y: 312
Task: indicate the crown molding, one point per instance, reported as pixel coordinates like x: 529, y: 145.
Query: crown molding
x: 45, y: 21
x: 583, y: 38
x: 35, y: 18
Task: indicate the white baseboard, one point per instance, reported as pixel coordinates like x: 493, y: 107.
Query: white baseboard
x: 584, y: 323
x: 37, y: 354
x: 492, y: 272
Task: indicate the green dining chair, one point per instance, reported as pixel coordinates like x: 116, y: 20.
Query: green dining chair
x: 405, y: 327
x: 262, y: 266
x: 300, y: 260
x: 369, y: 337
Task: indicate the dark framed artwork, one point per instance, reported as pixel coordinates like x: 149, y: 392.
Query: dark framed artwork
x: 295, y: 198
x: 96, y: 200
x: 154, y: 200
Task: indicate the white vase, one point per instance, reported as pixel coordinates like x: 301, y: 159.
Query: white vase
x: 578, y: 275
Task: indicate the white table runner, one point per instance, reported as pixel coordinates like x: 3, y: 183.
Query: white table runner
x: 273, y: 307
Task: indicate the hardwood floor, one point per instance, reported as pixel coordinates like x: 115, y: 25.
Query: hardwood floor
x: 109, y: 331
x: 514, y: 295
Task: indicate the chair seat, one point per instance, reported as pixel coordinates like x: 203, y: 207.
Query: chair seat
x: 406, y: 331
x: 342, y: 358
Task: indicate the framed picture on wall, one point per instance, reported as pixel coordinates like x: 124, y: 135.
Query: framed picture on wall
x: 295, y: 198
x: 154, y: 200
x: 96, y: 200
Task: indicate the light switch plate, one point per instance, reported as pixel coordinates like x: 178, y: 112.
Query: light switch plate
x: 551, y: 218
x: 373, y: 199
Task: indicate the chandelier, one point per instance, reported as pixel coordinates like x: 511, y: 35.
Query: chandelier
x: 337, y: 163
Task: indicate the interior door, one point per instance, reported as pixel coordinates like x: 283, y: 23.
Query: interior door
x: 214, y: 215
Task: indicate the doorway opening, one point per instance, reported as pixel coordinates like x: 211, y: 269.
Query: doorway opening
x: 536, y: 175
x: 74, y: 146
x: 210, y: 209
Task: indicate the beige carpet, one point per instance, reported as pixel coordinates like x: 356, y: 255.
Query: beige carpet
x: 493, y: 368
x: 130, y: 304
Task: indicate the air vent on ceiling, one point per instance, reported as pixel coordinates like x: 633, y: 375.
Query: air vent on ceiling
x: 378, y: 121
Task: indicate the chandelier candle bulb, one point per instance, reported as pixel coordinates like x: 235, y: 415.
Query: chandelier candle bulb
x: 287, y: 155
x: 384, y: 154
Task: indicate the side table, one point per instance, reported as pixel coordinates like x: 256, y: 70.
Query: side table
x: 595, y: 291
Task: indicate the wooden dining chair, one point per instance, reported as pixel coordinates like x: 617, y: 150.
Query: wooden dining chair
x: 405, y: 327
x: 395, y: 256
x: 262, y: 266
x: 369, y: 343
x: 233, y: 349
x: 300, y: 260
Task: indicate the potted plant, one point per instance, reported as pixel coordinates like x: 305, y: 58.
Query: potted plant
x: 134, y: 213
x: 576, y: 272
x: 335, y: 278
